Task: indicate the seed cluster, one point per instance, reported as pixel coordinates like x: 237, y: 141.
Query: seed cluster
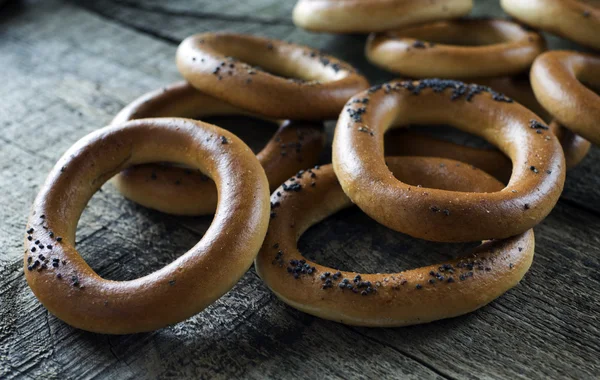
x: 41, y: 254
x: 230, y: 66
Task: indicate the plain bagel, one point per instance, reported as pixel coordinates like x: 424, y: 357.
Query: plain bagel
x: 71, y: 290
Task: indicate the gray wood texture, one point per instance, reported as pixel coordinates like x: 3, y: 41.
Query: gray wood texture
x: 67, y: 67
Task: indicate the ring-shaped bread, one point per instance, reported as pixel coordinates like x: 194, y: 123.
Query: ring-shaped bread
x: 299, y: 82
x: 447, y: 216
x: 67, y: 286
x: 414, y: 296
x: 456, y: 49
x: 557, y: 78
x: 573, y: 19
x: 360, y: 16
x: 184, y: 191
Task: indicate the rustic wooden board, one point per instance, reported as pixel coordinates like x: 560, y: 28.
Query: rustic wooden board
x: 67, y: 68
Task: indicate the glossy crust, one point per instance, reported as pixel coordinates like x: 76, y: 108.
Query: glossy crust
x: 224, y: 65
x: 456, y: 49
x: 438, y: 215
x: 572, y: 19
x: 72, y: 291
x: 519, y: 88
x: 414, y: 296
x: 185, y: 191
x: 359, y: 16
x: 556, y: 78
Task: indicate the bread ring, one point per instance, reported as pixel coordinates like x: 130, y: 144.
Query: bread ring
x: 358, y: 160
x: 210, y: 63
x: 456, y: 49
x: 557, y: 79
x: 184, y: 191
x: 359, y: 16
x: 71, y: 290
x: 394, y: 299
x: 572, y: 19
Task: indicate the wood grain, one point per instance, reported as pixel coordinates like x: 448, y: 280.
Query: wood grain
x: 67, y: 68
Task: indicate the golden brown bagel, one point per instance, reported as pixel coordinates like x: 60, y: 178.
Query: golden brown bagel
x: 185, y: 191
x: 224, y: 65
x: 72, y: 291
x: 456, y: 49
x: 557, y: 79
x: 358, y: 160
x: 393, y: 299
x: 573, y: 19
x: 359, y: 16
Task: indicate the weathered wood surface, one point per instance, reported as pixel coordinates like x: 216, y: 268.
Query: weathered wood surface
x: 67, y: 68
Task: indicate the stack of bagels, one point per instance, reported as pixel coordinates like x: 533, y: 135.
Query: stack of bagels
x: 418, y: 185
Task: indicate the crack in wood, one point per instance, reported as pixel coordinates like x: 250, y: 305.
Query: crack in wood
x: 147, y: 31
x: 413, y: 357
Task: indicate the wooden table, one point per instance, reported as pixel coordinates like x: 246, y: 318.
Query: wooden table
x: 66, y: 68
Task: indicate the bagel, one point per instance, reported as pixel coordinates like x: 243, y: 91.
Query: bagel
x: 456, y: 49
x: 183, y: 191
x: 438, y: 215
x: 557, y: 79
x: 72, y: 291
x: 305, y: 85
x: 573, y: 19
x: 414, y: 296
x: 359, y: 16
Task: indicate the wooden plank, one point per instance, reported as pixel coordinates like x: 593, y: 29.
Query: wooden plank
x: 60, y: 83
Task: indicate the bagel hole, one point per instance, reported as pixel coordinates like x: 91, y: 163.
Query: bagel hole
x: 440, y: 132
x: 132, y: 241
x: 121, y: 240
x: 296, y: 65
x: 351, y: 241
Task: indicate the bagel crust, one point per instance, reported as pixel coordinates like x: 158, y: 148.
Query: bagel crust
x: 305, y: 85
x: 359, y: 16
x: 440, y: 215
x: 519, y: 88
x: 71, y: 290
x: 573, y: 19
x: 186, y: 191
x: 410, y: 297
x: 556, y: 79
x: 456, y: 49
